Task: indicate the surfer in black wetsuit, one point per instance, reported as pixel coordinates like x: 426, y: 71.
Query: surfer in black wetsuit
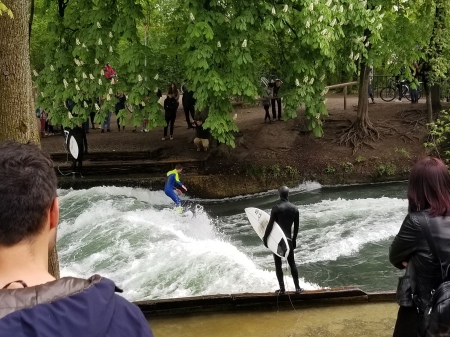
x: 80, y: 136
x: 285, y: 214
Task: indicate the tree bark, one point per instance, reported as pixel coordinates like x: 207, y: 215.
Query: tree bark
x: 429, y: 105
x: 436, y: 98
x: 30, y: 21
x: 17, y: 117
x: 363, y: 97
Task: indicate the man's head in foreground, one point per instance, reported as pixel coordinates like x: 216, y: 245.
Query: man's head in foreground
x: 29, y: 211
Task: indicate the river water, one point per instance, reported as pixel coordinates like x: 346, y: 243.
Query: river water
x: 134, y: 237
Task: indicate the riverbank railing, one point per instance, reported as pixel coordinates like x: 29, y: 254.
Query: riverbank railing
x: 344, y: 86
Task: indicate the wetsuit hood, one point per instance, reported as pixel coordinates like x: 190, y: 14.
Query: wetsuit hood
x: 283, y: 192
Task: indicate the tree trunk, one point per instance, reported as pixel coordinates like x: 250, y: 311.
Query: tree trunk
x: 17, y: 117
x: 363, y: 97
x: 436, y: 98
x: 429, y: 105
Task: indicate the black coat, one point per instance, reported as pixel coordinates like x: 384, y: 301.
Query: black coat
x: 170, y: 107
x: 410, y: 245
x: 188, y: 99
x: 201, y: 132
x: 120, y: 105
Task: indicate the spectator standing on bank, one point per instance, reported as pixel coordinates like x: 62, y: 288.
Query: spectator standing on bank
x: 276, y: 99
x: 110, y: 73
x: 188, y: 101
x: 414, y: 84
x: 370, y: 85
x: 107, y: 121
x: 268, y: 93
x: 43, y: 120
x: 170, y: 113
x: 120, y: 105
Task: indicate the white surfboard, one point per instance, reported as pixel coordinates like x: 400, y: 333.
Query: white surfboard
x: 73, y: 147
x: 276, y: 241
x: 188, y: 214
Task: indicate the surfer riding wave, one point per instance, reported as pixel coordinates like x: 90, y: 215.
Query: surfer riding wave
x: 173, y: 186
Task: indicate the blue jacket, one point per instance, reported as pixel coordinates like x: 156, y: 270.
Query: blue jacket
x: 70, y: 307
x: 173, y: 181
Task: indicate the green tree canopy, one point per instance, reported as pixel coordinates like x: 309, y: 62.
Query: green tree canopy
x: 222, y: 48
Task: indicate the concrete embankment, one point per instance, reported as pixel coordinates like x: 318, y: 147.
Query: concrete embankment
x: 343, y: 311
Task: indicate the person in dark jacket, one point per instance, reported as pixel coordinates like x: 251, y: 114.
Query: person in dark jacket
x: 202, y: 135
x: 428, y: 194
x: 188, y: 101
x: 170, y: 113
x: 276, y: 99
x: 79, y: 134
x: 32, y: 302
x: 120, y: 105
x: 285, y: 214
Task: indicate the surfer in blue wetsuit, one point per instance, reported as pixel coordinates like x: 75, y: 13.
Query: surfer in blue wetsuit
x: 174, y: 185
x: 285, y: 214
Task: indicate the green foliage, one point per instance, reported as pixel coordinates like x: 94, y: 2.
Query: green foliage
x: 298, y: 42
x: 6, y: 10
x: 347, y: 167
x: 439, y: 135
x: 403, y: 152
x: 291, y: 172
x: 386, y: 169
x: 83, y: 42
x: 223, y: 48
x: 360, y: 159
x: 330, y: 169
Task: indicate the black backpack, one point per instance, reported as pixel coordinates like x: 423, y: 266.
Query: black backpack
x: 436, y: 318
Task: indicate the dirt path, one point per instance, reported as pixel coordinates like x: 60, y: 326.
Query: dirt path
x: 282, y: 143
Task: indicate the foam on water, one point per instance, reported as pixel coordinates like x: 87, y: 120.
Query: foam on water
x: 134, y: 237
x: 333, y: 228
x: 302, y: 187
x: 151, y: 252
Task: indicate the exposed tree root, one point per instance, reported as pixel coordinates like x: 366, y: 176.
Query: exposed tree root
x: 416, y: 119
x: 356, y: 136
x: 413, y: 117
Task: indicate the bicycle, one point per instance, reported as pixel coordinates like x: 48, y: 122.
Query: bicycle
x: 388, y: 93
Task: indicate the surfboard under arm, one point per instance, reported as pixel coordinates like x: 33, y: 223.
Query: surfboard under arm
x: 276, y: 241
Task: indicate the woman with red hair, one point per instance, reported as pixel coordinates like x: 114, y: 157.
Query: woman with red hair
x: 428, y: 216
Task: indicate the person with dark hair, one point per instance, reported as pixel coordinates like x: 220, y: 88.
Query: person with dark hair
x: 176, y: 94
x: 276, y: 99
x: 120, y: 105
x: 107, y: 121
x: 188, y: 101
x: 428, y: 202
x: 170, y: 113
x: 110, y: 73
x: 286, y: 215
x: 173, y: 186
x: 202, y: 135
x: 32, y: 302
x: 266, y: 97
